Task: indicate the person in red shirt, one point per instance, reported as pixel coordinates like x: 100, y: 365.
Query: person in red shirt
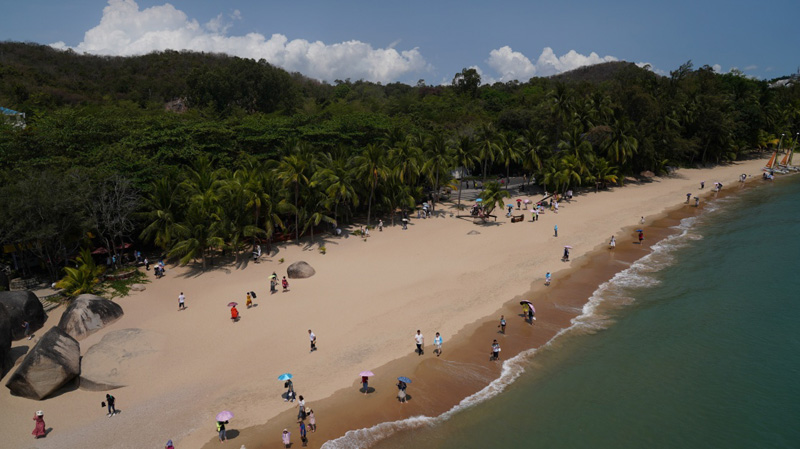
x: 234, y: 314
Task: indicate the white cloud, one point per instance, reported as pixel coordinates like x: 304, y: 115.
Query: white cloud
x: 717, y: 68
x: 125, y: 30
x: 750, y: 68
x: 513, y: 65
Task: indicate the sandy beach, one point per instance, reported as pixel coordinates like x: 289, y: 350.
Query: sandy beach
x: 365, y: 303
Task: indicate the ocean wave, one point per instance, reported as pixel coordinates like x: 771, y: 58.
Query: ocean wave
x: 595, y: 316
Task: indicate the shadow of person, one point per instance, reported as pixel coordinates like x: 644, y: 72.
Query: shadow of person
x: 47, y: 432
x: 231, y: 433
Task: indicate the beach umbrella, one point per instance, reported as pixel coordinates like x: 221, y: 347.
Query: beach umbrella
x: 479, y: 200
x: 232, y: 304
x: 525, y: 301
x: 224, y: 416
x: 285, y: 376
x: 366, y: 374
x: 509, y: 205
x: 404, y: 379
x: 640, y: 230
x: 526, y: 201
x: 272, y: 276
x: 567, y: 246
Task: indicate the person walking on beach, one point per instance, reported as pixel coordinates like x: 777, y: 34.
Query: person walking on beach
x: 146, y: 264
x: 565, y: 257
x: 502, y: 324
x: 249, y: 301
x: 420, y: 340
x: 286, y: 438
x: 380, y: 225
x: 313, y: 338
x: 641, y: 236
x: 39, y: 430
x: 289, y: 385
x: 301, y: 413
x: 555, y: 229
x: 312, y: 420
x: 234, y: 314
x: 365, y: 384
x: 111, y: 401
x: 169, y: 445
x: 642, y: 220
x: 702, y: 185
x: 27, y: 327
x: 696, y: 202
x: 547, y: 278
x: 221, y: 431
x: 285, y: 284
x: 531, y: 315
x: 273, y: 282
x: 303, y: 437
x: 495, y: 350
x: 612, y: 243
x: 688, y: 197
x: 181, y: 302
x: 437, y: 341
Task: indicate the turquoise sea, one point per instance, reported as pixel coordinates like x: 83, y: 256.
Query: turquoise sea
x: 695, y: 346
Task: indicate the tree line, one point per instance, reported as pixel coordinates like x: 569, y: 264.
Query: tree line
x: 261, y: 152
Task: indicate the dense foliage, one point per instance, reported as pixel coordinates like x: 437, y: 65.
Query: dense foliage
x: 261, y: 151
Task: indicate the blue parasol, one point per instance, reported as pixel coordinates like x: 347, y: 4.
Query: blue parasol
x: 404, y: 379
x: 285, y: 376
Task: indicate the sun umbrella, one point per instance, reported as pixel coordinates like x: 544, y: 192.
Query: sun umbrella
x: 285, y: 376
x: 404, y: 379
x: 224, y: 416
x: 366, y: 374
x: 479, y: 200
x: 272, y: 276
x: 526, y: 201
x: 525, y: 301
x: 567, y: 246
x: 232, y: 304
x: 640, y: 230
x: 509, y: 205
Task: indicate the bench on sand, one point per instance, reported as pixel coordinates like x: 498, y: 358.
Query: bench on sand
x: 517, y: 218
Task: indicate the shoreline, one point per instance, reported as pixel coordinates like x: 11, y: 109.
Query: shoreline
x: 364, y: 303
x: 443, y: 385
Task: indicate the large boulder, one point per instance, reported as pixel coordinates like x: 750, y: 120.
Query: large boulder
x: 5, y: 340
x: 23, y: 306
x: 119, y: 357
x: 300, y: 270
x: 54, y: 361
x: 87, y: 314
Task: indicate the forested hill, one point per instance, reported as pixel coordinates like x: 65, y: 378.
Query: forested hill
x: 108, y: 113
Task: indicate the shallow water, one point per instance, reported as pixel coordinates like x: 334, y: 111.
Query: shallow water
x: 693, y: 346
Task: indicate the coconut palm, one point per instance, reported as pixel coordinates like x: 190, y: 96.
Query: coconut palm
x: 293, y: 171
x: 464, y: 155
x: 370, y: 167
x: 237, y: 222
x: 602, y: 173
x: 487, y: 146
x: 493, y: 195
x: 438, y: 159
x: 84, y: 278
x: 508, y: 151
x: 406, y: 159
x: 163, y: 212
x: 534, y: 148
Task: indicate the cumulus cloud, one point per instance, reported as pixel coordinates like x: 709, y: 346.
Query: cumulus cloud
x: 125, y: 30
x: 513, y: 65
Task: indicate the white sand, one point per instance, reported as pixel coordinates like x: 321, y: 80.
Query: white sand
x: 364, y: 304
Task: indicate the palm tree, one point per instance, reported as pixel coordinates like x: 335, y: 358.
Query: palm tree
x: 84, y: 278
x: 337, y: 180
x: 534, y: 148
x: 464, y: 155
x: 493, y: 195
x: 573, y: 143
x: 406, y: 158
x: 399, y: 195
x: 487, y: 146
x: 238, y: 223
x: 621, y: 146
x: 163, y: 212
x: 370, y: 167
x: 196, y: 236
x: 602, y: 173
x: 293, y: 171
x: 438, y: 159
x: 507, y: 152
x: 315, y: 215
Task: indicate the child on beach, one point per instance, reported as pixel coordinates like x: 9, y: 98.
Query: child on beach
x: 502, y: 324
x: 312, y: 420
x: 249, y: 302
x: 285, y: 284
x: 437, y: 340
x: 286, y: 438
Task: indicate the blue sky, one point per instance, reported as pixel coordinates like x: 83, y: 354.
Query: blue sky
x: 431, y: 40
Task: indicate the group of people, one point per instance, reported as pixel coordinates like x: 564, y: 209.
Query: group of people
x: 304, y: 413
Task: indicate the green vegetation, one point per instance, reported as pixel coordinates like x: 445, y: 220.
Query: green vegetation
x: 122, y: 287
x: 84, y: 278
x: 263, y: 155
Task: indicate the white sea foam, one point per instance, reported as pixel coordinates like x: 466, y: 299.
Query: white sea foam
x: 594, y: 317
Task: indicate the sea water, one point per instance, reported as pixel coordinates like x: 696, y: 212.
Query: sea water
x: 697, y: 345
